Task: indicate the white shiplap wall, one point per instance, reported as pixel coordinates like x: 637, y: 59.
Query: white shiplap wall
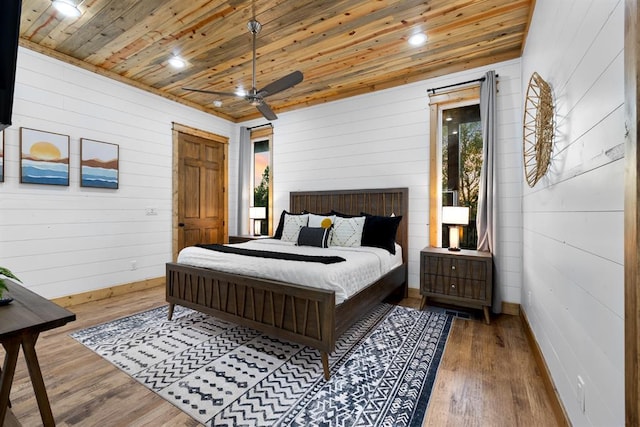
x: 381, y: 140
x: 67, y: 240
x: 573, y: 235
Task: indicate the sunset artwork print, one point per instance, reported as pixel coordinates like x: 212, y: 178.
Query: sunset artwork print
x: 98, y: 164
x: 44, y: 157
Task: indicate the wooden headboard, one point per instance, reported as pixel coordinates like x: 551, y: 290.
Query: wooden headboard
x: 381, y: 201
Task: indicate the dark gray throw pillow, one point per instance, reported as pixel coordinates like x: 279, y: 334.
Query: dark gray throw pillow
x: 314, y: 236
x: 380, y: 231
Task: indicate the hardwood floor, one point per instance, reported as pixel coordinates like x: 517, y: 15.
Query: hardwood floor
x: 487, y: 377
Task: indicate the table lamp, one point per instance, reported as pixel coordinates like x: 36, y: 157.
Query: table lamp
x: 455, y: 216
x: 257, y: 214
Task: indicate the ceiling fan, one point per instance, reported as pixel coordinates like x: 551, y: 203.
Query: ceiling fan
x: 254, y: 96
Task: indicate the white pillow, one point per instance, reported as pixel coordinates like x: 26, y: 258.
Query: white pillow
x: 292, y: 226
x: 322, y: 221
x: 347, y: 231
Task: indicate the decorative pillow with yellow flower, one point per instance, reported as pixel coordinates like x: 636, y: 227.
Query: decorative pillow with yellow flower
x: 323, y: 221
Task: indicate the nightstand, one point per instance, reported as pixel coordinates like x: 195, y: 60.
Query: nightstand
x: 462, y: 277
x: 245, y: 238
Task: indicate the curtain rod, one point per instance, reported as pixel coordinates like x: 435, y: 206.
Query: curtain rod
x: 481, y: 79
x: 259, y: 126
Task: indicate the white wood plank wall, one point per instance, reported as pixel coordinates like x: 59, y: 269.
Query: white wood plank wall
x: 381, y: 140
x: 573, y: 284
x: 67, y: 240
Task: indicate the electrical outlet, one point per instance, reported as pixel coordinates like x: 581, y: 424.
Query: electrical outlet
x: 529, y: 297
x: 580, y: 394
x: 134, y: 265
x: 151, y: 211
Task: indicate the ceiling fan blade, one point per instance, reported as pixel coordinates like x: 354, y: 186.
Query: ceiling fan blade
x: 211, y: 92
x: 266, y: 111
x: 281, y: 84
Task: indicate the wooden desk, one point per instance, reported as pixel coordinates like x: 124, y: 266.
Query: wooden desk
x: 20, y: 324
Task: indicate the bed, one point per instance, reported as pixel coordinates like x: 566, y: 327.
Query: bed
x: 302, y: 314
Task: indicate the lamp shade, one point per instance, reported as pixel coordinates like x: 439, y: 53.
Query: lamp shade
x: 458, y: 215
x: 257, y: 212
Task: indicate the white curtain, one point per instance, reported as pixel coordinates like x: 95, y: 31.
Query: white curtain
x: 244, y: 177
x: 487, y: 197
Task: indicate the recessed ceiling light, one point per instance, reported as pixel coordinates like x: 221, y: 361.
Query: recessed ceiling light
x: 418, y: 39
x: 67, y: 7
x: 217, y: 103
x: 177, y: 62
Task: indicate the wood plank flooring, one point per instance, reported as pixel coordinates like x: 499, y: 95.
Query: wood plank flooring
x: 487, y: 377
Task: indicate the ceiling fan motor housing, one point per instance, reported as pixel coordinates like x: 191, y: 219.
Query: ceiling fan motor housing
x: 254, y: 26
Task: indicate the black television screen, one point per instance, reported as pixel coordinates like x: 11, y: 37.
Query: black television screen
x: 9, y: 33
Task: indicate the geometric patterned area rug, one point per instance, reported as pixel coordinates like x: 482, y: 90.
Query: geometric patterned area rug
x: 222, y: 374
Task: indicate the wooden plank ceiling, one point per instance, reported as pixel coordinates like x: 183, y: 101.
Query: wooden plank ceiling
x: 343, y: 47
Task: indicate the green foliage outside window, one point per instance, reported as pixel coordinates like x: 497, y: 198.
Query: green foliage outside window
x: 261, y: 192
x: 470, y: 165
x: 261, y: 199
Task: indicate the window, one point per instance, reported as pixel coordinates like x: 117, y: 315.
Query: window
x: 456, y: 161
x: 461, y: 147
x: 261, y: 189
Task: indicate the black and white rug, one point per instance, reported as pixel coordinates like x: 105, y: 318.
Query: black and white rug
x: 222, y: 374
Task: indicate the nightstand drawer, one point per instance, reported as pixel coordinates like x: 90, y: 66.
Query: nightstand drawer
x: 455, y: 287
x: 452, y: 267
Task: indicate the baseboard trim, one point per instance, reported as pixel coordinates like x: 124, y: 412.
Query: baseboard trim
x: 414, y: 293
x: 510, y: 308
x: 552, y: 391
x: 111, y: 291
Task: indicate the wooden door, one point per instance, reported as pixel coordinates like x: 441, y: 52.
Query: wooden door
x: 202, y: 192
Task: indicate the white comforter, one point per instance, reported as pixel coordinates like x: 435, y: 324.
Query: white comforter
x: 363, y: 266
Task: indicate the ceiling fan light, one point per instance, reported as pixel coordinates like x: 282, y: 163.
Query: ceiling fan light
x: 67, y: 8
x: 177, y: 62
x: 418, y: 39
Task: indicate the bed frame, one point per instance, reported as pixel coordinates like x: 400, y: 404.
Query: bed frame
x: 302, y: 314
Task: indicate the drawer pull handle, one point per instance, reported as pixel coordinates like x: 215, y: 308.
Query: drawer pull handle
x: 453, y: 267
x: 453, y: 286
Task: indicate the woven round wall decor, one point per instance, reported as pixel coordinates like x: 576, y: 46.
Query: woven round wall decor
x: 538, y: 129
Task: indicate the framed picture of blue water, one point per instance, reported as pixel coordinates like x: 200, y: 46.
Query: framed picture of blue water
x: 98, y: 164
x: 44, y: 157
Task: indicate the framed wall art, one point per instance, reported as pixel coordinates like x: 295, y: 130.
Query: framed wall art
x: 538, y: 129
x: 98, y: 164
x: 44, y: 157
